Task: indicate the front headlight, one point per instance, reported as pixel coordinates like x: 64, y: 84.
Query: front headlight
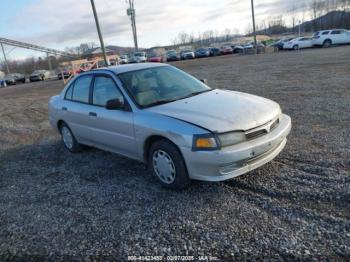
x: 231, y: 138
x: 204, y: 142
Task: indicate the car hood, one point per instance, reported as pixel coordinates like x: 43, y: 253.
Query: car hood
x: 221, y: 110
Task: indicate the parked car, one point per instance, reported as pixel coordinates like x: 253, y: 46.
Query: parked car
x: 14, y: 78
x: 298, y: 43
x: 172, y: 55
x: 181, y: 128
x: 326, y: 38
x: 225, y: 50
x: 202, y: 52
x: 247, y: 46
x: 137, y: 57
x: 279, y: 44
x: 64, y: 74
x: 123, y: 59
x: 214, y: 51
x: 155, y: 58
x: 39, y: 75
x: 187, y: 54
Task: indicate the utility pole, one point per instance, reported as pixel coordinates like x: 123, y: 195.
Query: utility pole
x: 299, y: 28
x: 49, y: 61
x: 99, y: 32
x: 131, y: 12
x: 5, y: 59
x: 254, y: 33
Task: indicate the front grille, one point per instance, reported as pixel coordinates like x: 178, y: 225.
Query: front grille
x: 263, y: 131
x: 274, y: 124
x: 256, y: 134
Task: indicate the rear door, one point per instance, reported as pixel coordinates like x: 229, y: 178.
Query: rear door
x: 336, y: 36
x: 75, y: 108
x: 111, y: 129
x: 344, y: 37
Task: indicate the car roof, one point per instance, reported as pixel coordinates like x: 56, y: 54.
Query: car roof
x: 119, y: 69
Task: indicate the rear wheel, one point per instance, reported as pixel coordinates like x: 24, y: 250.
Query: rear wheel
x: 296, y: 47
x: 167, y: 165
x: 68, y: 139
x: 327, y: 43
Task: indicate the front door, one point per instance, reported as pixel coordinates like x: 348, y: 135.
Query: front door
x: 111, y: 129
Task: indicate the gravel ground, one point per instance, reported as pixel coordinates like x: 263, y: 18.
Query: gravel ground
x: 99, y: 206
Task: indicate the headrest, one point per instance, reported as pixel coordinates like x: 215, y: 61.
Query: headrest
x: 143, y: 86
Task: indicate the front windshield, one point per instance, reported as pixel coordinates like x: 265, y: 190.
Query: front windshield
x: 159, y: 85
x: 139, y: 54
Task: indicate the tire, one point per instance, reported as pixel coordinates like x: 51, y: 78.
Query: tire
x: 68, y: 139
x: 295, y: 47
x: 167, y: 165
x: 327, y: 43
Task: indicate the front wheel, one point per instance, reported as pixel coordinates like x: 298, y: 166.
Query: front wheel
x: 296, y: 47
x: 166, y: 163
x: 68, y: 139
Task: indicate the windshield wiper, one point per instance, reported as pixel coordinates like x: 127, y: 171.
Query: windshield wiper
x: 160, y: 102
x: 165, y: 101
x: 197, y: 93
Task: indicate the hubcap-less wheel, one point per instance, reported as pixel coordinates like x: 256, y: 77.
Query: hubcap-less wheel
x: 164, y: 166
x: 67, y: 137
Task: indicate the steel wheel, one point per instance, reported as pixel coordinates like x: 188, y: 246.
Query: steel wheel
x: 67, y: 137
x: 163, y: 166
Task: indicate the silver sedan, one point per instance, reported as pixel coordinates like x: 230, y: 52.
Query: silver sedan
x: 177, y: 125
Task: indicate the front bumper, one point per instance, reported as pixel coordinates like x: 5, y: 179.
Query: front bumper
x: 232, y: 161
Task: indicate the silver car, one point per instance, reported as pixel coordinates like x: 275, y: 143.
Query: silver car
x: 181, y: 128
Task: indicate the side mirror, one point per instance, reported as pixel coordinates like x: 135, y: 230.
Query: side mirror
x: 204, y: 80
x: 115, y: 104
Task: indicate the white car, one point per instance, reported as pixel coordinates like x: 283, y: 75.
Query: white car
x: 298, y: 43
x: 123, y: 59
x: 141, y: 57
x: 180, y: 127
x: 187, y: 54
x: 326, y: 38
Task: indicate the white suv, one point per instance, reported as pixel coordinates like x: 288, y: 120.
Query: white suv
x: 326, y: 38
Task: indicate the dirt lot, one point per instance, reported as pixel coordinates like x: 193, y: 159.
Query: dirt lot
x: 96, y: 205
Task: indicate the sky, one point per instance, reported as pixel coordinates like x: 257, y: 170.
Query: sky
x: 61, y: 23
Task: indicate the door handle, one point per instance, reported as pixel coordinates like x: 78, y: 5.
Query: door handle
x: 93, y: 114
x: 64, y: 108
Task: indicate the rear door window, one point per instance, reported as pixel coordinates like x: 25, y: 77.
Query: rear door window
x: 336, y: 32
x: 81, y: 89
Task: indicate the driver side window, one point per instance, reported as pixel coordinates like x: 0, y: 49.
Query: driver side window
x: 104, y: 90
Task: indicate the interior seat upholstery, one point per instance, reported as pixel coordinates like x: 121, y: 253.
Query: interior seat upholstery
x: 145, y: 93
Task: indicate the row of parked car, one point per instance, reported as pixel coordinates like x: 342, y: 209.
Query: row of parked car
x: 324, y: 38
x: 17, y: 78
x: 173, y: 55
